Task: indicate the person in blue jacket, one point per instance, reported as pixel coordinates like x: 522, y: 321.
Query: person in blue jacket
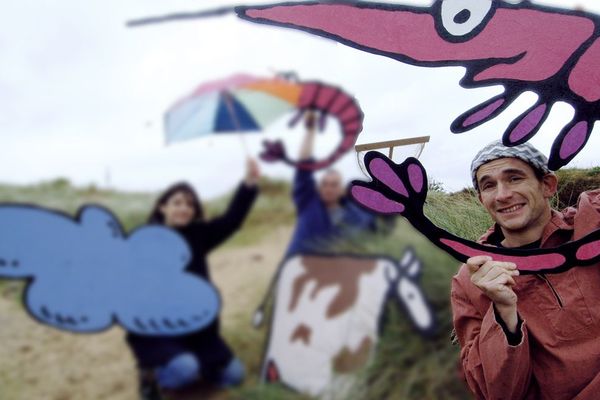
x: 324, y: 213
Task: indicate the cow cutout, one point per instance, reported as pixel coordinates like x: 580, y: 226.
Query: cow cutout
x: 327, y: 316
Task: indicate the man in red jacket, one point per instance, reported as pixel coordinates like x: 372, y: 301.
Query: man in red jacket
x: 534, y: 336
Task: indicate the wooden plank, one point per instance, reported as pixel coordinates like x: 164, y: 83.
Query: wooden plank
x: 391, y: 143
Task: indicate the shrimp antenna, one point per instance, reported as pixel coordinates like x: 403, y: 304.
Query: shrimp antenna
x: 217, y: 12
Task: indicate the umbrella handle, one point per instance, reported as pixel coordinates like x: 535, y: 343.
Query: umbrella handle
x: 244, y: 145
x: 294, y: 121
x: 323, y: 121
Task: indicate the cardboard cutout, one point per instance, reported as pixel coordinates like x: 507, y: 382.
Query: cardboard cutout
x: 524, y: 47
x: 327, y: 315
x: 550, y: 51
x: 84, y: 275
x: 402, y: 189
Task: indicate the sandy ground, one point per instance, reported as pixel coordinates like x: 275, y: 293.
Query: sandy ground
x: 37, y: 362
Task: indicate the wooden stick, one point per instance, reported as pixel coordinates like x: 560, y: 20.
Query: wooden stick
x: 392, y: 143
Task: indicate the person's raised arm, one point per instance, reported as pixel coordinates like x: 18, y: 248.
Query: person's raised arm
x: 495, y: 352
x: 222, y: 227
x: 304, y: 186
x: 308, y: 143
x: 252, y: 173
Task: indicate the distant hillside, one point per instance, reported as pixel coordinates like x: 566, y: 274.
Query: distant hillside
x: 273, y: 207
x: 571, y: 183
x: 131, y: 208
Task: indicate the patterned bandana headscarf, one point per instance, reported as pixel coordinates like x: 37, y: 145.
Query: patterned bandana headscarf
x: 495, y: 150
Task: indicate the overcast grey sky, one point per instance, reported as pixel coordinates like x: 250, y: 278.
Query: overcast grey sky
x: 81, y: 95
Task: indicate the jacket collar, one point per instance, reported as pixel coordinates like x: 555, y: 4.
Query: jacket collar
x: 560, y: 222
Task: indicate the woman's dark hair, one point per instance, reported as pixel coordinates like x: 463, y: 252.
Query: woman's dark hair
x: 157, y: 217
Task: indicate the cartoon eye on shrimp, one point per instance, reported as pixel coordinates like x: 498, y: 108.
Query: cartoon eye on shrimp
x: 524, y: 47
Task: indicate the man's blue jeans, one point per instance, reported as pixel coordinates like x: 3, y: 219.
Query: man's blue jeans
x: 186, y: 369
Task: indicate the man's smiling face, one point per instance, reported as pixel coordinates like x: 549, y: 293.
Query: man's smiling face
x: 513, y: 195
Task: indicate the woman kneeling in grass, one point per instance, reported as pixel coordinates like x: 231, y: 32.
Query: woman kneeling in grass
x: 173, y: 363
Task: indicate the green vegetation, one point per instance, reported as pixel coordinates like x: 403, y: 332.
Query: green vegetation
x: 131, y: 208
x: 406, y: 366
x: 459, y: 213
x: 574, y: 181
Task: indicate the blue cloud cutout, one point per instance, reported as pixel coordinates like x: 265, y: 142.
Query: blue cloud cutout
x: 85, y: 275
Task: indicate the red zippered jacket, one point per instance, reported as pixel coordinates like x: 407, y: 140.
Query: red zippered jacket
x: 558, y: 356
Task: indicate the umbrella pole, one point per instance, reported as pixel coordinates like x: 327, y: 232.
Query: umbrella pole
x: 244, y: 145
x: 236, y: 122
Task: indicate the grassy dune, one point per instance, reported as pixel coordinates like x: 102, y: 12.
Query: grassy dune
x: 131, y: 208
x: 406, y: 366
x: 574, y: 181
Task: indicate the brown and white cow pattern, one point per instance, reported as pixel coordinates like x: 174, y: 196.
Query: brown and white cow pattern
x: 326, y: 318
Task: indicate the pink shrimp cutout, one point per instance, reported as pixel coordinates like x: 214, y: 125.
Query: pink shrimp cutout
x: 402, y: 189
x: 524, y: 47
x: 325, y: 100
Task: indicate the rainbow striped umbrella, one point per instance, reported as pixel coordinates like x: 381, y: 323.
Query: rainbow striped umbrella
x: 240, y: 103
